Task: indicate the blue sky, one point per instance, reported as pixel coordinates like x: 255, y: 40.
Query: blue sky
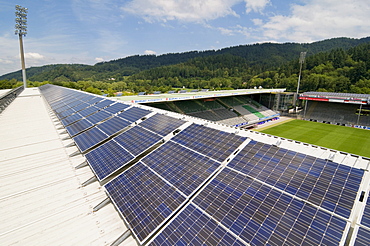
x: 90, y: 31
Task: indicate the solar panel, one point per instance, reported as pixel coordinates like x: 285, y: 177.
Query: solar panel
x: 94, y: 100
x: 90, y: 138
x: 363, y: 237
x: 78, y: 127
x: 365, y: 220
x: 183, y: 168
x: 71, y: 119
x: 208, y: 141
x: 103, y: 104
x: 261, y: 215
x: 144, y: 199
x: 73, y: 110
x: 324, y: 183
x: 162, y: 124
x: 107, y: 158
x: 133, y: 114
x: 88, y: 111
x: 193, y: 227
x: 113, y: 125
x: 117, y: 107
x: 136, y: 140
x: 98, y: 117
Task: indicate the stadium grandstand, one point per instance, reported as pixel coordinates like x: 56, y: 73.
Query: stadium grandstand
x: 82, y: 169
x: 337, y: 108
x: 233, y: 107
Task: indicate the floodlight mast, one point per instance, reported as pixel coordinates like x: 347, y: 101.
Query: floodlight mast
x: 301, y: 61
x: 21, y: 30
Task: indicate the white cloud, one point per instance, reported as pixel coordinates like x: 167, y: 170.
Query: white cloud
x: 4, y: 61
x: 34, y: 56
x: 99, y: 59
x: 150, y: 52
x: 255, y: 5
x: 320, y: 19
x: 183, y: 10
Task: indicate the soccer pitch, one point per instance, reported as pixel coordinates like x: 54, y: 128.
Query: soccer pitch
x: 347, y: 139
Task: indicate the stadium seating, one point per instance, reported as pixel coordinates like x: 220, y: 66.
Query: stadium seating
x: 335, y: 113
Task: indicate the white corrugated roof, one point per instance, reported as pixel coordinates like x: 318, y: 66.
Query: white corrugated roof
x: 41, y: 198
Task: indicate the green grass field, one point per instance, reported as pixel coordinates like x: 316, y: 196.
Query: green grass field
x: 347, y: 139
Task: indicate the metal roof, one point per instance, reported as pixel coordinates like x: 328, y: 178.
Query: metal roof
x: 42, y: 201
x: 193, y: 95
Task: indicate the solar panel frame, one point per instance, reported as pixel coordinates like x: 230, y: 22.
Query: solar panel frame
x: 139, y: 193
x: 206, y: 231
x: 78, y: 127
x: 208, y: 141
x: 98, y: 117
x: 134, y: 114
x: 365, y: 220
x: 259, y: 214
x: 316, y: 181
x: 89, y: 139
x: 162, y: 124
x: 88, y: 111
x: 137, y: 140
x: 187, y: 172
x: 116, y: 108
x: 107, y: 159
x: 104, y: 103
x: 71, y: 119
x: 113, y: 125
x: 363, y: 237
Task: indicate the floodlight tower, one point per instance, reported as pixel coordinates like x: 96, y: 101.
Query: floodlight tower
x: 21, y: 30
x: 301, y: 61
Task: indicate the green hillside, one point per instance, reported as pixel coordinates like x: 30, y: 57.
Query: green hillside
x: 336, y: 65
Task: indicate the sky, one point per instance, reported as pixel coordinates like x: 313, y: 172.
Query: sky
x: 91, y: 31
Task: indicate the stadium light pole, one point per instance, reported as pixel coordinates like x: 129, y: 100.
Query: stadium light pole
x: 301, y: 61
x: 21, y: 30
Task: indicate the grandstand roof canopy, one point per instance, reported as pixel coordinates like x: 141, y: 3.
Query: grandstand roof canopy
x: 336, y: 97
x: 44, y: 199
x: 193, y: 95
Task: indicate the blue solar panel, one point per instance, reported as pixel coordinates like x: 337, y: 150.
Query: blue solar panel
x: 136, y: 140
x: 66, y: 113
x: 324, y: 183
x: 363, y: 237
x: 162, y: 124
x: 94, y: 100
x: 366, y: 215
x: 78, y: 127
x: 89, y: 138
x: 113, y: 125
x: 103, y: 104
x: 261, y: 215
x: 98, y: 117
x: 144, y: 199
x: 108, y: 158
x: 71, y: 119
x: 88, y: 111
x: 211, y: 142
x: 133, y: 114
x: 194, y: 227
x: 73, y: 110
x: 115, y: 108
x: 183, y: 168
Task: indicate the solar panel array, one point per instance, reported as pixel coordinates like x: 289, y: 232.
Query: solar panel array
x: 204, y: 186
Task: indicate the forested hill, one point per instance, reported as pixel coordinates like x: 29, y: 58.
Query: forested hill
x: 259, y: 57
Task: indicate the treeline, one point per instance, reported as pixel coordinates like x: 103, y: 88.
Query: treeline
x: 335, y: 71
x: 345, y: 68
x: 266, y: 56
